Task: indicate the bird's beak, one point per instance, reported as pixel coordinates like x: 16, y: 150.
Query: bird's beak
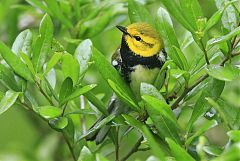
x: 123, y: 29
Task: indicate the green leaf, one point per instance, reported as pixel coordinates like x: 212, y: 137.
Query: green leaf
x: 96, y: 102
x: 148, y: 89
x: 156, y: 149
x: 38, y: 4
x: 213, y: 20
x: 165, y: 28
x: 98, y: 125
x: 234, y: 135
x: 138, y: 13
x: 53, y: 61
x: 178, y: 152
x: 100, y: 157
x: 192, y: 11
x: 200, y: 131
x: 23, y: 43
x: 231, y: 154
x: 28, y: 63
x: 8, y: 100
x: 7, y: 77
x: 163, y: 118
x: 43, y: 43
x: 86, y: 155
x: 70, y: 68
x: 108, y: 72
x: 122, y: 95
x: 49, y: 112
x: 177, y: 13
x: 182, y: 61
x: 96, y: 25
x: 229, y: 17
x: 66, y: 89
x: 79, y: 91
x: 15, y: 63
x: 57, y: 12
x: 213, y: 89
x: 83, y: 54
x: 226, y: 73
x: 212, y: 150
x: 224, y: 38
x: 229, y: 114
x: 58, y: 123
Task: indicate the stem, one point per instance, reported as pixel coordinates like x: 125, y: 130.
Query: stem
x: 64, y: 108
x: 117, y: 144
x: 44, y: 94
x: 205, y: 52
x: 83, y: 121
x: 70, y: 147
x: 133, y: 149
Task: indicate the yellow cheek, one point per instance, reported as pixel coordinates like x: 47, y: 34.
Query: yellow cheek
x: 141, y: 49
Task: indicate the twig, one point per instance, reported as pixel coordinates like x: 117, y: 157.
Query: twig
x: 70, y: 147
x: 117, y: 144
x: 205, y: 52
x: 44, y: 94
x: 83, y: 122
x: 133, y: 149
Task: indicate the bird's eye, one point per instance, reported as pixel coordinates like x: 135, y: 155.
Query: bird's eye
x: 137, y: 38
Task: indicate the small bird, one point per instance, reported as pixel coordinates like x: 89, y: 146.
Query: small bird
x: 138, y: 60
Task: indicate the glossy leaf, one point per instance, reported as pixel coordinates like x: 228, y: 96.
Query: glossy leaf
x: 178, y: 152
x: 231, y: 154
x: 108, y: 72
x: 192, y: 11
x: 23, y: 43
x: 57, y: 12
x: 226, y: 73
x: 122, y: 95
x: 15, y: 63
x: 229, y: 17
x: 83, y: 54
x: 213, y: 89
x: 86, y: 155
x: 38, y: 4
x: 234, y: 135
x: 28, y: 62
x: 148, y: 89
x: 165, y: 28
x: 70, y: 68
x: 213, y: 20
x: 7, y: 77
x: 58, y: 123
x: 157, y: 151
x: 43, y: 43
x: 79, y: 91
x: 176, y: 12
x: 138, y: 13
x: 163, y: 118
x: 96, y: 102
x: 224, y: 38
x: 49, y: 112
x: 53, y: 61
x: 66, y: 89
x: 8, y: 100
x: 201, y: 130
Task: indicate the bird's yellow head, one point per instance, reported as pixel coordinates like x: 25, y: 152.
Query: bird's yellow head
x: 142, y: 39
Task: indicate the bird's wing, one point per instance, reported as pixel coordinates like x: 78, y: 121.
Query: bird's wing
x: 117, y: 60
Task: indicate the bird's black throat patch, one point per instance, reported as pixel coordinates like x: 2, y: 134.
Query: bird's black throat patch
x: 130, y: 59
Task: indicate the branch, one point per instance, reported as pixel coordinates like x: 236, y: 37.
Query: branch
x: 117, y: 144
x: 133, y: 149
x: 44, y: 94
x: 205, y: 52
x: 205, y: 76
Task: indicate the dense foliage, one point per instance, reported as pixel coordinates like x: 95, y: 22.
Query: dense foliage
x: 55, y: 68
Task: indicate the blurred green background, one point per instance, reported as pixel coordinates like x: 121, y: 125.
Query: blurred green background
x: 20, y: 133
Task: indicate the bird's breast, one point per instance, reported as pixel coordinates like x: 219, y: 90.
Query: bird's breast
x: 141, y: 74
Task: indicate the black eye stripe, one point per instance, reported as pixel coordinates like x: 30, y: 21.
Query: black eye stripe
x: 138, y: 38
